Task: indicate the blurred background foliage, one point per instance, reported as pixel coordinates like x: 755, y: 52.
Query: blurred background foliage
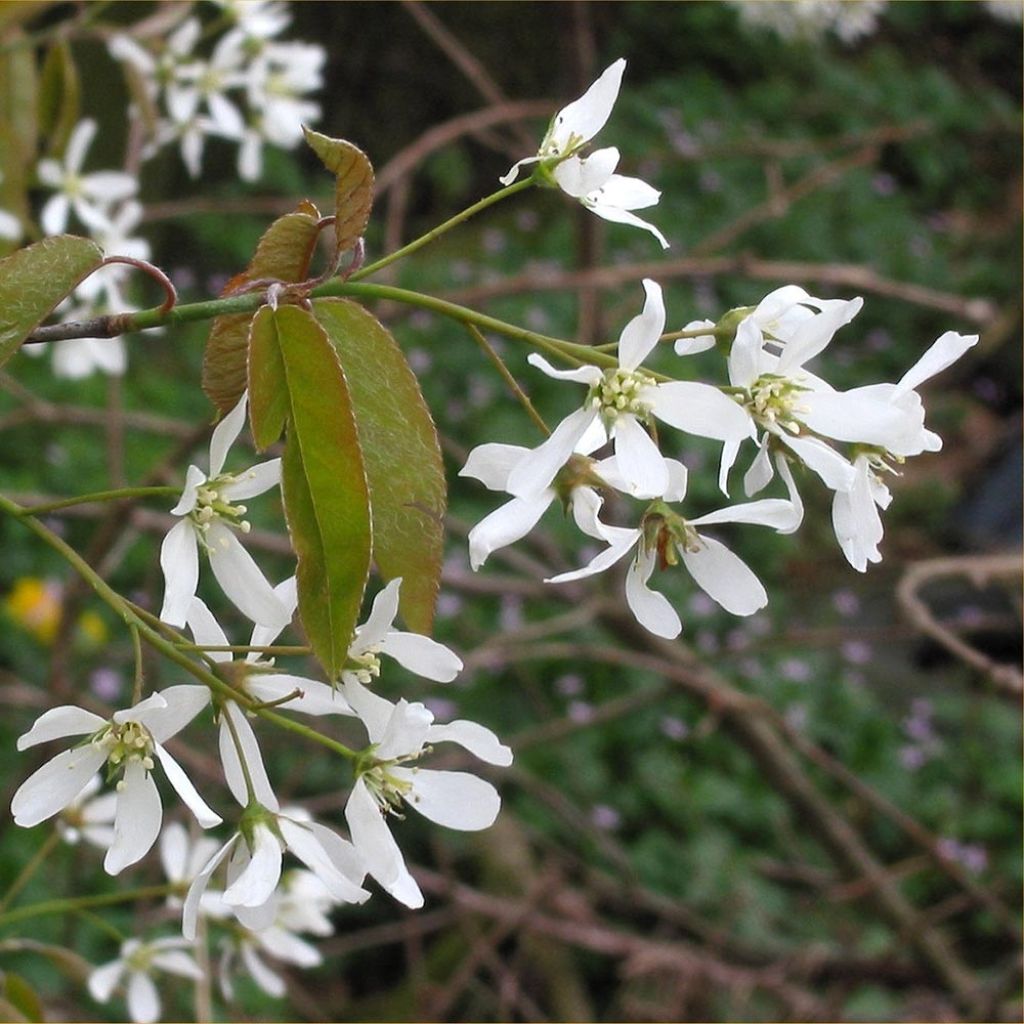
x: 639, y: 816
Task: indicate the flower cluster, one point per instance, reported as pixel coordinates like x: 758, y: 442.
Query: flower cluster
x: 772, y: 402
x: 260, y: 905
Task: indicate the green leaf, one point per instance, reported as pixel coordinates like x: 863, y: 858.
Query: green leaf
x: 326, y: 499
x: 17, y: 127
x: 353, y: 190
x: 35, y: 279
x: 283, y: 254
x: 22, y: 997
x: 59, y: 97
x: 401, y: 452
x: 268, y: 389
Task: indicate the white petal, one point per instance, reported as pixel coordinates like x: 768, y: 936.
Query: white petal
x: 256, y: 480
x: 730, y: 451
x: 746, y: 362
x: 513, y: 172
x: 626, y: 193
x: 506, y: 524
x: 942, y: 353
x: 264, y: 977
x: 305, y: 845
x: 104, y: 980
x: 174, y: 850
x: 860, y: 415
x: 206, y: 629
x: 194, y: 478
x: 382, y: 615
x: 67, y: 720
x: 182, y: 785
x: 641, y: 334
x: 343, y: 855
x: 263, y: 636
x: 835, y: 471
x: 179, y: 560
x: 193, y: 900
x: 815, y: 334
x: 257, y: 882
x: 725, y: 577
x: 794, y: 495
x: 176, y: 961
x: 373, y: 711
x: 586, y: 504
x: 618, y: 548
x: 423, y: 656
x: 475, y: 738
x: 536, y: 472
x: 242, y: 580
x: 765, y: 512
x: 406, y: 731
x: 699, y: 409
x: 491, y: 464
x: 143, y: 998
x: 108, y: 187
x: 587, y: 374
x: 759, y: 473
x: 225, y: 434
x: 618, y: 216
x: 79, y: 143
x: 639, y: 461
x: 577, y: 177
x: 233, y: 773
x: 377, y: 847
x: 139, y: 815
x: 315, y: 698
x: 53, y: 786
x: 225, y: 116
x: 283, y: 945
x: 652, y: 610
x: 586, y: 116
x: 180, y: 705
x: 454, y: 799
x: 691, y: 346
x: 54, y: 216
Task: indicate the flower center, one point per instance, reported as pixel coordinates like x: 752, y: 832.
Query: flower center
x: 619, y: 392
x: 388, y: 791
x: 126, y: 742
x: 365, y: 667
x: 211, y: 507
x: 775, y: 400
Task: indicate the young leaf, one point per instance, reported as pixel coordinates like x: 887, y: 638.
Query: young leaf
x: 401, y: 452
x: 353, y: 190
x: 323, y: 482
x: 35, y: 279
x: 268, y: 388
x: 283, y: 253
x: 59, y: 96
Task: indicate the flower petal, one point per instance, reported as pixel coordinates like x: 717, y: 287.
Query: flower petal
x: 306, y: 846
x: 746, y: 362
x: 194, y: 478
x: 143, y: 998
x: 506, y: 524
x: 180, y: 704
x: 491, y: 464
x: 256, y: 884
x: 103, y: 980
x: 536, y: 472
x: 587, y: 374
x: 641, y: 334
x: 454, y: 799
x: 765, y: 512
x: 53, y: 786
x: 943, y: 352
x: 138, y: 820
x: 256, y: 480
x: 477, y: 739
x: 379, y: 622
x: 263, y: 636
x: 422, y: 655
x: 606, y: 211
x: 620, y: 544
x: 193, y: 899
x: 835, y: 471
x: 206, y: 630
x: 585, y: 117
x: 513, y: 172
x: 179, y: 560
x: 372, y: 710
x: 315, y: 698
x: 639, y: 460
x: 626, y: 193
x: 242, y: 580
x: 578, y: 176
x: 652, y: 610
x: 55, y: 724
x: 182, y: 785
x: 225, y: 434
x: 260, y: 973
x: 406, y: 731
x: 725, y: 577
x: 234, y: 725
x: 699, y: 409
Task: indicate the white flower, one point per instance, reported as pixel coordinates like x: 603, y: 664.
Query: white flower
x: 302, y: 906
x: 722, y: 575
x: 419, y: 654
x: 620, y: 401
x: 138, y: 960
x: 203, y: 82
x: 276, y: 86
x: 492, y: 464
x: 90, y: 816
x: 89, y: 195
x: 128, y: 743
x: 11, y: 229
x: 208, y: 519
x: 855, y: 512
x: 253, y: 869
x: 611, y: 196
x: 258, y: 19
x: 575, y: 125
x: 400, y: 734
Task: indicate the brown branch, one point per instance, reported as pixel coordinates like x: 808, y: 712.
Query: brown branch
x: 1007, y: 680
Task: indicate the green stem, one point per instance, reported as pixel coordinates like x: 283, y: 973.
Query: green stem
x: 137, y: 652
x: 28, y: 871
x: 73, y: 904
x: 96, y: 496
x: 435, y: 233
x: 274, y: 650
